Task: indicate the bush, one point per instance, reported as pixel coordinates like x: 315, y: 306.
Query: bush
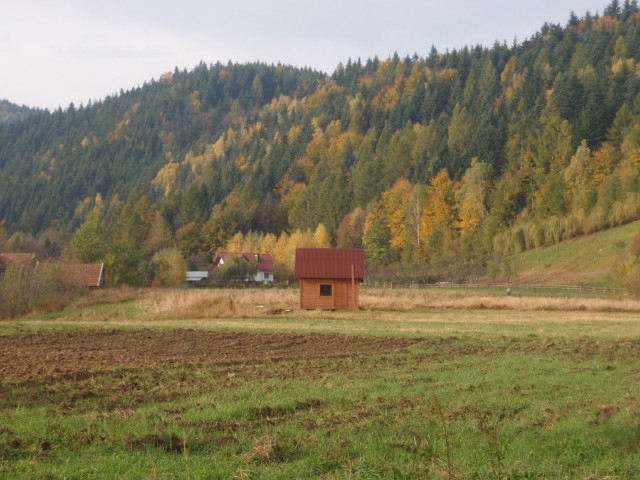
x: 169, y: 268
x: 25, y: 288
x: 630, y: 275
x: 236, y: 268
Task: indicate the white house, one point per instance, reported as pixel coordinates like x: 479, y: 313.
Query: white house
x: 263, y: 260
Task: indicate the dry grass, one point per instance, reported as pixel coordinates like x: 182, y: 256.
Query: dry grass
x: 383, y: 312
x: 410, y: 299
x: 204, y: 304
x: 107, y: 295
x: 266, y: 449
x: 165, y: 304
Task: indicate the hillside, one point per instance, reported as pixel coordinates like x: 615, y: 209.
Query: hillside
x: 588, y: 260
x: 10, y: 112
x: 432, y: 163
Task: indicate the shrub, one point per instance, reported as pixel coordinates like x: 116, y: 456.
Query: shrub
x: 25, y: 288
x: 630, y: 274
x: 237, y: 268
x: 169, y: 267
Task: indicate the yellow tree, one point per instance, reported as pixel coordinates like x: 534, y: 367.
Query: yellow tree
x: 602, y: 163
x: 394, y: 202
x: 575, y: 176
x: 281, y: 257
x: 425, y: 145
x: 414, y: 209
x: 236, y: 243
x: 553, y: 144
x: 321, y: 237
x: 438, y: 209
x: 472, y: 196
x: 268, y: 244
x: 458, y: 131
x: 252, y: 242
x: 285, y: 251
x: 159, y: 236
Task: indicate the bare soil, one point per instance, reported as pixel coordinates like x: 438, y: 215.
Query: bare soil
x: 116, y: 368
x: 81, y: 353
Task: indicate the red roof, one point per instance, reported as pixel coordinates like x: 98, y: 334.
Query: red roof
x: 265, y: 261
x: 92, y: 274
x: 79, y: 274
x: 7, y: 259
x: 333, y: 263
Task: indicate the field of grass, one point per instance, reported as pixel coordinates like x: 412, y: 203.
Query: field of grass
x: 587, y: 260
x: 218, y: 384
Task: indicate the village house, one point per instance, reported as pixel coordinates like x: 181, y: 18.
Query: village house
x: 89, y: 275
x: 194, y: 277
x: 86, y: 275
x: 263, y: 261
x: 329, y: 278
x: 6, y: 259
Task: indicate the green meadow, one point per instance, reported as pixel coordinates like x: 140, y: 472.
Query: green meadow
x: 121, y: 390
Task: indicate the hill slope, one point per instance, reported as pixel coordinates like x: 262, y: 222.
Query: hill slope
x: 587, y: 260
x: 435, y: 160
x: 10, y: 112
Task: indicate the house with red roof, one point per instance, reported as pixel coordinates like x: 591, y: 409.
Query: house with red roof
x: 263, y: 261
x: 6, y: 259
x: 329, y: 278
x: 80, y: 274
x: 90, y: 275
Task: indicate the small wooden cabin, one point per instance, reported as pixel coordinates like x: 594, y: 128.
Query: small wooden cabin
x: 329, y: 278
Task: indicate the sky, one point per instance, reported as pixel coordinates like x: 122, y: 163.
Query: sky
x: 55, y: 52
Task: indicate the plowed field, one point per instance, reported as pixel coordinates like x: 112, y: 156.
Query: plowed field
x: 78, y: 354
x: 142, y: 403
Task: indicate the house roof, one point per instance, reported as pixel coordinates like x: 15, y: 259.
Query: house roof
x: 7, y: 259
x: 330, y: 263
x: 81, y: 274
x: 92, y: 274
x: 196, y: 275
x: 265, y: 261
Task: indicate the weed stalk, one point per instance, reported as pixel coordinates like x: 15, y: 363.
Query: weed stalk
x: 186, y: 455
x: 438, y: 407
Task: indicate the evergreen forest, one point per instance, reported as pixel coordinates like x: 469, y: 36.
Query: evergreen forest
x: 436, y: 164
x: 10, y: 112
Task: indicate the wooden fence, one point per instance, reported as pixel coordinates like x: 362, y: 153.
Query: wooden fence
x: 573, y: 289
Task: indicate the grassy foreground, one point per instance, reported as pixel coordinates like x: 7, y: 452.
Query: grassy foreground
x: 433, y: 386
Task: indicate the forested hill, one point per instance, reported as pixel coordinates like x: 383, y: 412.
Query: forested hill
x: 10, y: 112
x: 422, y: 159
x: 50, y: 163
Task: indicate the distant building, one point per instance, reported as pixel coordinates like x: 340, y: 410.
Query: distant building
x: 89, y: 275
x: 263, y: 261
x: 196, y: 276
x: 329, y: 278
x: 6, y: 259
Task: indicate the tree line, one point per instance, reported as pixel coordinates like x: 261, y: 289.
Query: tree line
x: 439, y: 163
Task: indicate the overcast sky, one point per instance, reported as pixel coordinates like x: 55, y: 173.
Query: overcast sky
x: 54, y: 52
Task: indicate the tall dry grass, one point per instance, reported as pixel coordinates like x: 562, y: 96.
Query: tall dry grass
x: 101, y: 296
x: 164, y: 304
x: 26, y: 289
x: 414, y: 299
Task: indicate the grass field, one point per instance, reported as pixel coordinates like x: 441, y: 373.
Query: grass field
x: 586, y: 260
x: 218, y: 384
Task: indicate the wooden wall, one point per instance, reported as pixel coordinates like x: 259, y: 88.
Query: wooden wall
x: 341, y: 294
